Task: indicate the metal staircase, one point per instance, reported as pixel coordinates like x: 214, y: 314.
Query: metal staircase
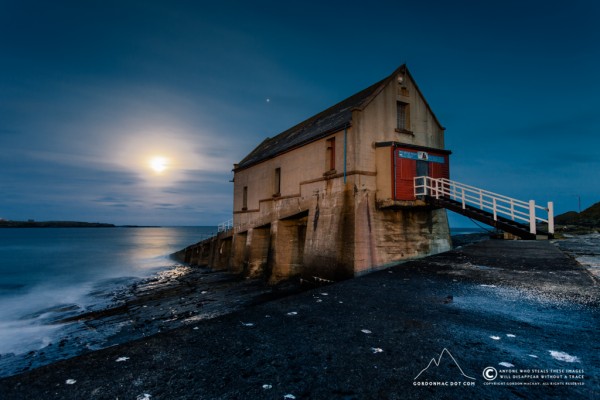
x: 517, y: 217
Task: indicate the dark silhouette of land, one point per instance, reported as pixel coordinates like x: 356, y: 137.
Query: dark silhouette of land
x: 53, y: 224
x: 586, y: 221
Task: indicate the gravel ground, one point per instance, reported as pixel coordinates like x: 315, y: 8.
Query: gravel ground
x: 520, y: 312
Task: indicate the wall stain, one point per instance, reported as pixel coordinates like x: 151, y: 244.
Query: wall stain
x: 316, y: 217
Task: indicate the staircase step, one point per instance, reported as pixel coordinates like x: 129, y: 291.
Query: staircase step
x: 505, y: 224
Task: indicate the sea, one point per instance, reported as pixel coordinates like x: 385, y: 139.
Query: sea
x: 49, y: 273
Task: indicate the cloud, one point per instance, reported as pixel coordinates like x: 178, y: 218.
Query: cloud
x: 119, y: 205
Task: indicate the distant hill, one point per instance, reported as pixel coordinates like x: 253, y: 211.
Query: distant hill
x: 590, y: 217
x: 53, y: 224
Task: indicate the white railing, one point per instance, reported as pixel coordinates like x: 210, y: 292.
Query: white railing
x: 225, y: 226
x: 496, y: 204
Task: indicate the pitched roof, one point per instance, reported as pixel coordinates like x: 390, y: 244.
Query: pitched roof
x: 333, y: 119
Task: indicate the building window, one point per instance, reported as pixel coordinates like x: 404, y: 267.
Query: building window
x: 403, y: 117
x: 403, y: 91
x: 245, y: 199
x: 330, y: 155
x: 277, y: 182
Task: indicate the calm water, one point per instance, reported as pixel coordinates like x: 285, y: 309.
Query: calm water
x: 45, y: 272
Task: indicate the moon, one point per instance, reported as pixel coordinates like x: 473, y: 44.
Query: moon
x: 159, y: 164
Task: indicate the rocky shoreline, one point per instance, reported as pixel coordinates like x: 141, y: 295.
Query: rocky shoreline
x: 514, y: 302
x: 171, y: 299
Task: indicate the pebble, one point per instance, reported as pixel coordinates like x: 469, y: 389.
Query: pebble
x: 562, y: 356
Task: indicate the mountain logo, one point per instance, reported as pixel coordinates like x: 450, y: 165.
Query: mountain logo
x: 439, y: 360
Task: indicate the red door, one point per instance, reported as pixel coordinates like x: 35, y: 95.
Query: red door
x: 409, y: 163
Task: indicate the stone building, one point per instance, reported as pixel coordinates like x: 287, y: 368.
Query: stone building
x: 332, y: 197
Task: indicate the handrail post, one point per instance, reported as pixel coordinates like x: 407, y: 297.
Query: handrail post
x: 495, y: 214
x: 512, y: 209
x: 463, y: 198
x: 532, y: 216
x: 480, y: 199
x: 437, y: 189
x: 550, y: 217
x: 417, y: 185
x: 415, y: 188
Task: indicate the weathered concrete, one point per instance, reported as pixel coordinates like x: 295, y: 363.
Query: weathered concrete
x: 341, y: 182
x: 214, y: 252
x: 288, y: 247
x: 368, y: 338
x: 239, y: 253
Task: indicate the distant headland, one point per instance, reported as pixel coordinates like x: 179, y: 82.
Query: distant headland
x: 52, y: 224
x: 587, y: 220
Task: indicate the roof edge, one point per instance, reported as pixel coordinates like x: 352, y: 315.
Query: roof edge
x: 401, y: 69
x: 382, y: 85
x: 313, y: 139
x: 425, y: 100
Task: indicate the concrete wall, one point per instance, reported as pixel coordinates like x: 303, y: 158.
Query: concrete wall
x: 302, y: 232
x: 388, y: 235
x: 302, y: 172
x: 258, y: 251
x: 288, y: 245
x: 214, y: 252
x: 384, y: 168
x: 324, y: 224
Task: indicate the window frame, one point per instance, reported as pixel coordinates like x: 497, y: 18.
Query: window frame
x: 277, y: 182
x: 245, y: 198
x: 403, y: 115
x: 330, y: 154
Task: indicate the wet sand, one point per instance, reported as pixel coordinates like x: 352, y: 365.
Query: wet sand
x: 491, y: 304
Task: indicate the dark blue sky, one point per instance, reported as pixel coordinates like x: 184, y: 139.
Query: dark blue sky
x: 91, y: 90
